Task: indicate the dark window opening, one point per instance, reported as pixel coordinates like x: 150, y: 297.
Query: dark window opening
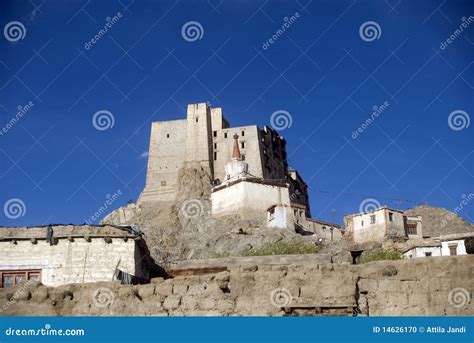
x: 197, y: 119
x: 372, y: 219
x: 243, y: 133
x: 167, y: 135
x: 412, y: 229
x: 215, y: 156
x: 242, y: 145
x: 215, y: 145
x: 390, y: 216
x: 215, y: 133
x: 469, y: 244
x: 427, y: 254
x: 243, y: 157
x: 225, y: 134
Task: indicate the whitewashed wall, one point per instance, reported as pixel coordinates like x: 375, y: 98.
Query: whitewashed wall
x: 251, y: 200
x: 70, y: 262
x: 421, y: 252
x: 461, y: 248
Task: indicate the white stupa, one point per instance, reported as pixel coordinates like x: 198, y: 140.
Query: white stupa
x: 257, y: 199
x: 236, y: 168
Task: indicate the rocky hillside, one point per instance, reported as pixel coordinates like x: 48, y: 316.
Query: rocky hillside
x: 184, y: 229
x: 439, y: 221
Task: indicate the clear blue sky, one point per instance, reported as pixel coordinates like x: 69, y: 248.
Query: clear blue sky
x: 320, y: 70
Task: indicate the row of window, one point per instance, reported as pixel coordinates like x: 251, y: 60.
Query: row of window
x: 373, y: 219
x: 214, y: 134
x: 13, y: 278
x: 411, y: 227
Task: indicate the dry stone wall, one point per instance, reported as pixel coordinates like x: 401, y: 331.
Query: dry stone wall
x: 425, y: 286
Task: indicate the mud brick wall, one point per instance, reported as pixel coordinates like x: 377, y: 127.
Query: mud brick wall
x: 425, y: 286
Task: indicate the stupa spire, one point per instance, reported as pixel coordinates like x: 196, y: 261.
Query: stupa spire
x: 236, y: 151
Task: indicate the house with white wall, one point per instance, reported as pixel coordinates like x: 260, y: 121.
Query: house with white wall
x: 457, y: 244
x: 57, y: 255
x: 385, y: 224
x: 443, y: 245
x: 423, y: 250
x: 381, y: 224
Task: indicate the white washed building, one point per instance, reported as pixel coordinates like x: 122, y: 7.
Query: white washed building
x: 63, y: 254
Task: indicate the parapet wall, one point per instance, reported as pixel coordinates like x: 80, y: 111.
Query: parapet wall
x: 434, y: 286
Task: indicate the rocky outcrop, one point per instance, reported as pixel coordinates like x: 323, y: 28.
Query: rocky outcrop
x: 181, y: 230
x: 433, y: 286
x: 122, y: 215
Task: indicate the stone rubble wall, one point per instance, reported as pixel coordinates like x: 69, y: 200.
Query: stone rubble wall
x: 433, y: 286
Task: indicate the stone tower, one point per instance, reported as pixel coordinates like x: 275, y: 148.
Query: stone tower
x: 198, y: 137
x: 205, y: 140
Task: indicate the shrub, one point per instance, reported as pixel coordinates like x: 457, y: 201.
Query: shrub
x: 381, y: 254
x: 280, y: 247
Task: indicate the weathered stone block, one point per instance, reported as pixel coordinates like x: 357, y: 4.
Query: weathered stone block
x: 207, y: 304
x: 368, y: 285
x: 197, y: 289
x: 172, y: 302
x: 40, y: 294
x: 180, y: 288
x: 146, y: 291
x: 165, y: 288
